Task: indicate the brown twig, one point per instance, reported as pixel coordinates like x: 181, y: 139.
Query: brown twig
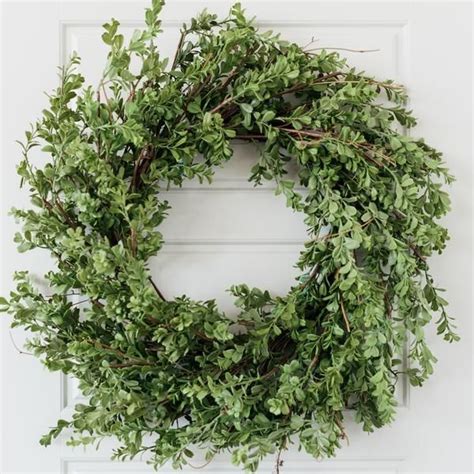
x: 323, y: 80
x: 314, y: 361
x: 97, y: 303
x: 157, y: 290
x: 141, y: 165
x: 250, y: 136
x: 279, y: 461
x: 236, y: 69
x: 80, y: 302
x: 270, y: 373
x: 47, y: 205
x: 313, y: 40
x: 65, y: 214
x: 303, y: 86
x: 342, y: 232
x: 17, y: 348
x: 129, y: 364
x: 133, y: 89
x: 344, y: 314
x: 388, y: 304
x: 178, y: 48
x: 202, y: 466
x: 344, y: 49
x: 319, y: 135
x: 341, y: 427
x: 107, y: 103
x: 61, y: 209
x: 306, y: 133
x: 129, y: 361
x: 203, y: 336
x: 222, y: 104
x: 312, y: 275
x: 417, y: 252
x: 133, y: 241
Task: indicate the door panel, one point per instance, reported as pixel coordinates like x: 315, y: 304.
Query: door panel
x: 229, y: 232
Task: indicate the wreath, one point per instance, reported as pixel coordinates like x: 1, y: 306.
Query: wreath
x: 163, y: 375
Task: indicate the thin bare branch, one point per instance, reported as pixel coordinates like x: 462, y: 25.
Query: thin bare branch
x: 16, y: 347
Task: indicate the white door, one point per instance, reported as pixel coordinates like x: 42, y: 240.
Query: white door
x: 216, y: 235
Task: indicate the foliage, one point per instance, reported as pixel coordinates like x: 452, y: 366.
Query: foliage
x: 179, y: 372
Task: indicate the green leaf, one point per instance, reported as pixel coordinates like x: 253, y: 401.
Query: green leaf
x: 268, y: 116
x: 194, y: 108
x: 351, y: 244
x: 395, y: 143
x: 246, y: 108
x: 4, y: 304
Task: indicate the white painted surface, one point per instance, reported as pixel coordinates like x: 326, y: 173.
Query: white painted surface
x: 217, y: 235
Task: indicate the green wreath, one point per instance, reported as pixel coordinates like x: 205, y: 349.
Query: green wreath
x: 287, y: 367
